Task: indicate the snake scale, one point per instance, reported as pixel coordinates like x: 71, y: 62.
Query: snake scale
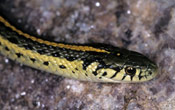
x: 88, y: 62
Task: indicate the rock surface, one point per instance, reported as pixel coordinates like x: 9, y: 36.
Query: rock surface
x: 145, y: 26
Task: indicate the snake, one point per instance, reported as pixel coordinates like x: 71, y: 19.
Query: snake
x: 95, y: 62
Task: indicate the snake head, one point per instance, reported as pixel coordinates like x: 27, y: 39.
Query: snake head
x: 138, y: 68
x: 127, y: 66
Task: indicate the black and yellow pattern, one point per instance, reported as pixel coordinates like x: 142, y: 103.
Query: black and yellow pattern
x: 93, y: 62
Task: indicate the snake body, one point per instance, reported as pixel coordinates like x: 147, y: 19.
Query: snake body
x: 91, y: 62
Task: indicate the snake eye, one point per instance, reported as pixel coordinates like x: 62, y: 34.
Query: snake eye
x: 130, y: 71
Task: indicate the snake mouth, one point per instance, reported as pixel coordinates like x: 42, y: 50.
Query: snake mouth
x: 151, y: 71
x: 148, y: 73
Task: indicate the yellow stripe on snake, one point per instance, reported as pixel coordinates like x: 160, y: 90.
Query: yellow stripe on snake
x: 91, y: 62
